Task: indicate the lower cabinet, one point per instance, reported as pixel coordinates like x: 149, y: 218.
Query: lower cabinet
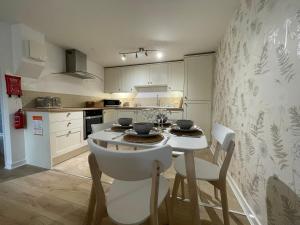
x: 127, y: 114
x: 200, y: 113
x: 51, y: 136
x: 65, y: 141
x: 109, y: 115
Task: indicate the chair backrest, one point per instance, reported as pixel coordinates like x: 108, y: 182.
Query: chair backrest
x: 223, y: 135
x: 225, y: 141
x: 131, y: 165
x: 101, y: 126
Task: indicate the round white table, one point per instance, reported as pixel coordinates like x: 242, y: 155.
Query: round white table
x: 181, y: 144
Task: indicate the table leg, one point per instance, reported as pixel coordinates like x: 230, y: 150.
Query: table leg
x: 192, y: 186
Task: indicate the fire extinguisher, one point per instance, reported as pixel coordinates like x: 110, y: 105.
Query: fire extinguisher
x: 19, y: 119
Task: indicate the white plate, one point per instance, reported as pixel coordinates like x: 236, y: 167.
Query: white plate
x: 192, y: 129
x: 134, y: 133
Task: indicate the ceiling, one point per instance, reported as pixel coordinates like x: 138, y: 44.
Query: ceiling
x: 103, y: 28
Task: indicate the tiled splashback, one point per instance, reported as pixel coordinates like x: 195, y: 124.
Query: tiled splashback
x: 68, y: 100
x: 151, y: 99
x: 137, y: 99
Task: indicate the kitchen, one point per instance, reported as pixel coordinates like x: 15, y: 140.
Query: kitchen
x: 192, y: 78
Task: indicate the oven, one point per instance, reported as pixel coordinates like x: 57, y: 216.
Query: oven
x: 91, y: 117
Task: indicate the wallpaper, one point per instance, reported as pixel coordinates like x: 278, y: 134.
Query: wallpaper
x: 257, y: 94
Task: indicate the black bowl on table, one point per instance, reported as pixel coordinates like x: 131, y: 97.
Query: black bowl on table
x: 143, y: 128
x: 185, y: 124
x: 125, y: 121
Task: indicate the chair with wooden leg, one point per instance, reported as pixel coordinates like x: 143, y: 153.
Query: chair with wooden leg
x: 102, y: 126
x: 138, y: 188
x: 211, y: 172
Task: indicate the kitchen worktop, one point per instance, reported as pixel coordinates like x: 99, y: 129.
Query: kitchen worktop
x: 69, y: 109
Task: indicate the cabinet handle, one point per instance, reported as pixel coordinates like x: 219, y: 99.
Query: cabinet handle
x: 68, y: 114
x: 185, y: 97
x: 69, y: 124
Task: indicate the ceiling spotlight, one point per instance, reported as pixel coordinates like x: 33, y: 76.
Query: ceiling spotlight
x: 123, y: 57
x: 159, y: 55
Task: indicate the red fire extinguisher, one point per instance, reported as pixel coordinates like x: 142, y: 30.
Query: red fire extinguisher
x: 19, y: 120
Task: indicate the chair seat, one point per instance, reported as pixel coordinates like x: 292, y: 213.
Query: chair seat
x: 204, y: 170
x: 128, y: 202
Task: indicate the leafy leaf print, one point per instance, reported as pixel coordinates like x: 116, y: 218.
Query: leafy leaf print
x: 295, y: 120
x: 286, y: 68
x: 250, y: 147
x: 280, y: 154
x: 290, y: 210
x: 260, y: 67
x: 257, y: 128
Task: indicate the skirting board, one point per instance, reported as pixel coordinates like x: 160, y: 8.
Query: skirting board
x: 253, y: 220
x: 15, y: 164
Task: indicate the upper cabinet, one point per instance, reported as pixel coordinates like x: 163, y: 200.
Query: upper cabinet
x: 176, y: 76
x: 112, y: 80
x: 125, y: 79
x: 158, y: 74
x: 198, y: 77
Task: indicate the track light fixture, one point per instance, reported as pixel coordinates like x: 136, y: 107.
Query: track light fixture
x: 141, y: 51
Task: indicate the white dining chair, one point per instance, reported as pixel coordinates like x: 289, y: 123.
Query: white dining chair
x: 207, y: 171
x: 102, y: 126
x: 138, y: 188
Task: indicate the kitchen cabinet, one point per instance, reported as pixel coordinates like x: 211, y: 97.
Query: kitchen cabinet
x: 158, y: 74
x: 109, y: 115
x: 200, y: 113
x: 198, y: 77
x: 112, y: 79
x: 59, y: 133
x: 127, y: 114
x: 176, y: 76
x: 125, y: 79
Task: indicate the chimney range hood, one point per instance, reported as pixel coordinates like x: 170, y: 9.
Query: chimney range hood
x: 76, y: 65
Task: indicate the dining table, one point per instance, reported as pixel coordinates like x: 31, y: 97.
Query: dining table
x: 185, y: 144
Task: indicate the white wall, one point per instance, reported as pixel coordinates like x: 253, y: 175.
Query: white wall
x: 13, y: 139
x: 47, y: 82
x: 58, y: 83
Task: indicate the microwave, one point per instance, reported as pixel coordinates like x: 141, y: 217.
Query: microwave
x: 111, y: 102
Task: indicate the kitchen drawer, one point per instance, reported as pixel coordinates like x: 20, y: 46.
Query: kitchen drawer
x: 66, y: 125
x: 66, y: 141
x: 63, y: 116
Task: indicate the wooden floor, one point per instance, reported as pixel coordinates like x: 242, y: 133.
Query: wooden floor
x: 32, y: 196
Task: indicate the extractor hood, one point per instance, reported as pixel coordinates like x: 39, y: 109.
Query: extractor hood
x: 76, y: 62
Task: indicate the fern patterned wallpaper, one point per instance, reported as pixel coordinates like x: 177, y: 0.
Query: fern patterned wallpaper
x: 257, y: 93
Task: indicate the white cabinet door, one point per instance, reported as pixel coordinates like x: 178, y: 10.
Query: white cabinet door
x: 140, y: 75
x: 112, y: 80
x: 127, y: 78
x: 127, y: 114
x: 198, y: 77
x: 109, y: 115
x: 176, y: 76
x: 62, y: 142
x: 200, y: 113
x: 158, y: 73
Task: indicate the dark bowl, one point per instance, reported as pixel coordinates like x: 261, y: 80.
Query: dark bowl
x: 143, y: 128
x: 185, y: 124
x: 125, y: 121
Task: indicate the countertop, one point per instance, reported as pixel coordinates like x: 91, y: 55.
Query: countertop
x: 70, y: 109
